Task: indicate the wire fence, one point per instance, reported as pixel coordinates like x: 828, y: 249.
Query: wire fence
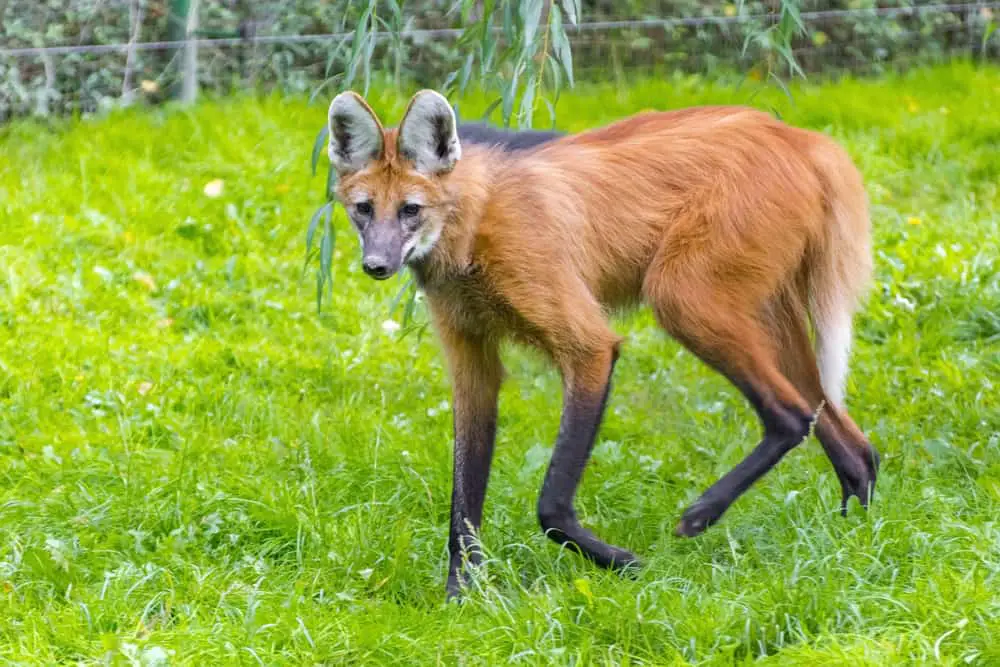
x: 111, y: 65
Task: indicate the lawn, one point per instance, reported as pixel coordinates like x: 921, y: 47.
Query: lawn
x: 197, y: 468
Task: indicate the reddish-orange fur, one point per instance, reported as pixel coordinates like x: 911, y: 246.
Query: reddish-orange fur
x: 657, y: 207
x: 733, y: 227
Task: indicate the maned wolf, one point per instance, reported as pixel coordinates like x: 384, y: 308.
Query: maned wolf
x: 736, y: 229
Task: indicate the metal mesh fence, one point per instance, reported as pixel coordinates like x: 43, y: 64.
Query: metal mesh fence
x: 69, y: 56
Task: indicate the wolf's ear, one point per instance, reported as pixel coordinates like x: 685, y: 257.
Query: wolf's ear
x: 428, y: 134
x: 355, y: 134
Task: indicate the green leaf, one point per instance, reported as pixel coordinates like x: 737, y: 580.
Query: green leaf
x: 334, y: 54
x: 395, y: 10
x: 561, y: 48
x: 331, y: 181
x: 782, y: 86
x: 408, y: 310
x: 399, y: 295
x: 526, y: 113
x: 531, y: 15
x: 368, y: 60
x: 552, y: 112
x: 509, y: 31
x: 990, y: 29
x: 509, y: 92
x: 554, y: 70
x: 466, y: 74
x: 318, y: 146
x: 785, y: 51
x: 467, y: 7
x: 322, y: 211
x: 790, y: 8
x: 325, y: 261
x: 319, y: 291
x: 446, y: 87
x: 491, y: 108
x: 487, y: 47
x: 324, y: 84
x: 571, y: 8
x: 362, y: 34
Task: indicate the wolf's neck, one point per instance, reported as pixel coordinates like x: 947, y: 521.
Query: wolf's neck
x: 471, y: 186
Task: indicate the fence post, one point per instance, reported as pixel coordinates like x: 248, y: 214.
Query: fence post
x: 189, y: 86
x: 183, y: 25
x: 135, y: 19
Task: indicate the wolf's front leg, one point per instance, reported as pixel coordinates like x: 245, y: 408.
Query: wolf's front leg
x: 477, y: 374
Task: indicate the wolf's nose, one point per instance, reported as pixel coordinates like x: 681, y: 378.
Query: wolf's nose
x: 376, y: 267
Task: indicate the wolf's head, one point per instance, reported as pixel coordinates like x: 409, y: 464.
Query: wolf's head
x: 391, y: 181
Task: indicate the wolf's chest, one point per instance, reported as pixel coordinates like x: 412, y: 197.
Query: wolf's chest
x: 471, y: 304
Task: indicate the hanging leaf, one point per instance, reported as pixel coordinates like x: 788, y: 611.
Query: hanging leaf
x: 318, y: 146
x: 561, y: 48
x: 314, y: 224
x: 509, y: 92
x: 554, y: 70
x: 466, y: 73
x: 315, y: 93
x: 531, y: 15
x: 410, y: 304
x: 509, y: 30
x: 334, y: 55
x: 397, y: 13
x: 361, y: 36
x: 467, y: 7
x: 552, y: 112
x: 446, y: 87
x: 369, y: 51
x: 491, y: 108
x: 571, y: 8
x: 399, y: 295
x: 990, y: 29
x: 526, y: 112
x: 325, y: 261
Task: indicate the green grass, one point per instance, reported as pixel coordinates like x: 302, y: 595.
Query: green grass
x: 196, y: 468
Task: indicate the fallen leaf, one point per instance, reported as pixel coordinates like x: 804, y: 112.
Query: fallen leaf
x: 144, y: 388
x: 214, y: 188
x: 165, y: 323
x: 149, y: 86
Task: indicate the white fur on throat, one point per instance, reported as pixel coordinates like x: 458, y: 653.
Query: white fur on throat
x: 421, y: 244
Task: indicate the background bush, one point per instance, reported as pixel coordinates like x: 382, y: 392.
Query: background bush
x: 63, y: 83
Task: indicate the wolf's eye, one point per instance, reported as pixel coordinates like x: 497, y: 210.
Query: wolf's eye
x: 363, y: 208
x: 409, y: 210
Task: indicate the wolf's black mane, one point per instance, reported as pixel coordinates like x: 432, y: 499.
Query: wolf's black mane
x: 509, y: 140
